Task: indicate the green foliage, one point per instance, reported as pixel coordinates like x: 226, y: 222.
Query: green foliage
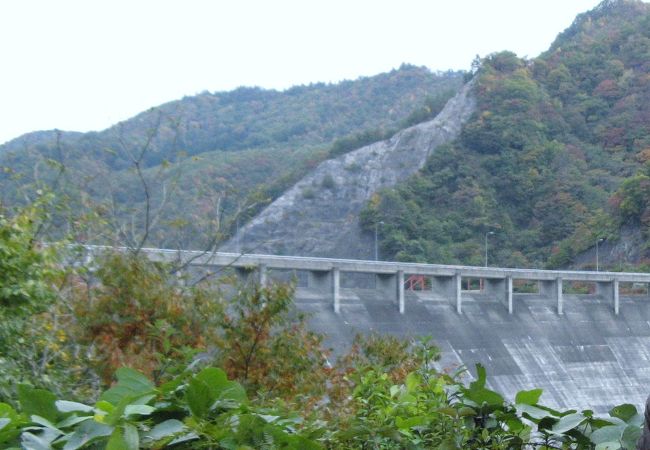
x: 26, y: 269
x: 211, y: 157
x: 540, y: 162
x: 423, y: 409
x: 34, y: 344
x: 191, y: 411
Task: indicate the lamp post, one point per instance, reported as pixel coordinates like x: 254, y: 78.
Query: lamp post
x: 376, y: 240
x: 597, y: 245
x: 486, y: 247
x: 237, y: 238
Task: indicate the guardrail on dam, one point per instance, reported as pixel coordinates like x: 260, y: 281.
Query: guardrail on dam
x: 442, y: 280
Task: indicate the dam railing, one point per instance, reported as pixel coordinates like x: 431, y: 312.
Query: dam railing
x: 324, y: 275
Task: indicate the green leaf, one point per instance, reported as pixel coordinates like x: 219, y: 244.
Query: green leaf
x: 30, y: 441
x: 8, y: 412
x: 130, y: 383
x: 610, y: 433
x: 89, y: 431
x: 131, y: 437
x: 481, y: 376
x: 410, y: 422
x: 532, y: 411
x: 104, y: 406
x: 608, y: 446
x: 117, y: 440
x: 412, y: 382
x: 198, y: 397
x: 72, y: 420
x: 528, y: 397
x: 142, y: 410
x: 624, y: 412
x: 124, y: 439
x: 630, y: 436
x: 45, y: 423
x: 11, y: 430
x: 165, y: 429
x: 37, y: 402
x: 481, y: 396
x: 567, y: 423
x: 209, y: 386
x: 65, y: 407
x: 220, y: 387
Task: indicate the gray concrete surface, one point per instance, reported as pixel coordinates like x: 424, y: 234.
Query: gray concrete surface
x: 587, y: 358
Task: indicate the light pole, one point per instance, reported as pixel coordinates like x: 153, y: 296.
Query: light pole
x: 237, y: 242
x: 486, y: 248
x: 376, y: 240
x: 597, y: 244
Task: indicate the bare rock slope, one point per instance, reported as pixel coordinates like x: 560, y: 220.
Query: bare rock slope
x: 319, y: 215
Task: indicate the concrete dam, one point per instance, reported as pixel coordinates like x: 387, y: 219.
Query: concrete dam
x: 583, y: 337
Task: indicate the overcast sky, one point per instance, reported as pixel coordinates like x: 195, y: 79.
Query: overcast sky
x: 87, y: 64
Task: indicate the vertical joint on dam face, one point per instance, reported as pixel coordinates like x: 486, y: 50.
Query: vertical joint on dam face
x: 400, y: 291
x: 458, y: 293
x: 336, y: 288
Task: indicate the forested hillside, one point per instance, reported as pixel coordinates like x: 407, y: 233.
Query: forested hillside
x: 554, y: 158
x: 210, y: 153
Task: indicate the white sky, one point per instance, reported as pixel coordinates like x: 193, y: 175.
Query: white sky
x: 87, y: 64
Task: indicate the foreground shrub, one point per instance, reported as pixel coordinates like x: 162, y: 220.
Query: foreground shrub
x: 206, y: 410
x: 134, y: 314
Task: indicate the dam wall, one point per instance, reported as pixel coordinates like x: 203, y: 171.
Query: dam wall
x: 582, y: 337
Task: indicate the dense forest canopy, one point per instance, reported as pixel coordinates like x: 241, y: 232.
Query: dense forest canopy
x: 541, y: 161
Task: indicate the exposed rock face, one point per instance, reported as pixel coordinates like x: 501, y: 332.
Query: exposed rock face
x: 629, y: 249
x: 319, y: 215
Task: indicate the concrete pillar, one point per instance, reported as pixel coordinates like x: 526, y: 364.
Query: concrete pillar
x: 319, y: 280
x: 509, y: 294
x: 400, y: 291
x: 180, y: 279
x: 558, y: 295
x: 616, y: 301
x: 336, y: 285
x: 458, y: 292
x: 262, y: 275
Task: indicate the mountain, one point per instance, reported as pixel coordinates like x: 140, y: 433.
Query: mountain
x: 554, y: 158
x: 319, y: 215
x: 204, y: 155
